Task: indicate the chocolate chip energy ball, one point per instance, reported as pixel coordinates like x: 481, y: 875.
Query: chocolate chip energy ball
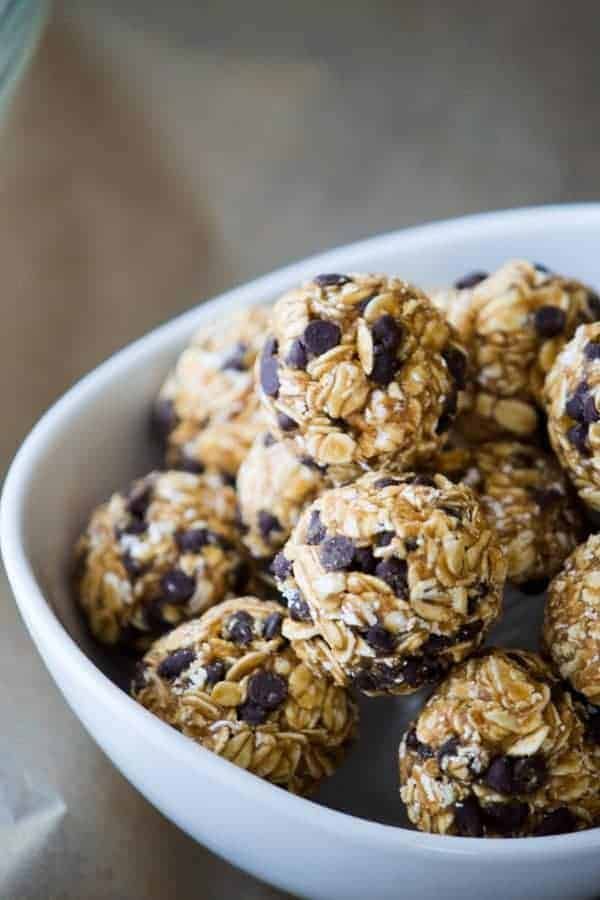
x: 275, y: 483
x: 514, y: 323
x: 572, y: 620
x: 163, y: 552
x: 390, y: 580
x: 361, y: 371
x: 572, y: 398
x: 527, y: 499
x: 207, y: 410
x: 499, y: 751
x: 231, y: 682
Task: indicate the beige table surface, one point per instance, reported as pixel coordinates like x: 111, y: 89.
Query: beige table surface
x: 161, y: 151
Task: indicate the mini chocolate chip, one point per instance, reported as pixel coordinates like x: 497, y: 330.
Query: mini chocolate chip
x: 239, y: 627
x: 316, y: 531
x: 177, y: 587
x: 449, y: 748
x: 468, y: 819
x: 384, y: 538
x: 590, y: 413
x: 387, y: 333
x: 267, y: 689
x: 380, y: 639
x: 164, y: 417
x: 420, y: 670
x: 559, y: 821
x: 549, y: 321
x: 574, y: 405
x: 139, y: 500
x: 457, y: 365
x: 215, y: 671
x: 268, y: 440
x: 298, y: 609
x: 321, y: 336
x: 591, y: 350
x: 330, y: 278
x: 470, y: 280
x: 237, y: 358
x: 394, y: 572
x: 281, y: 567
x: 139, y: 677
x: 577, y: 435
x: 534, y: 586
x: 364, y: 561
x: 376, y: 678
x: 272, y: 626
x: 297, y: 357
x: 175, y: 663
x: 194, y: 539
x: 269, y: 375
x: 385, y: 366
x: 516, y: 775
x: 593, y: 302
x: 546, y: 497
x: 382, y: 483
x: 189, y: 464
x: 285, y: 422
x: 252, y: 713
x: 336, y: 553
x: 593, y: 728
x: 505, y: 818
x: 267, y: 523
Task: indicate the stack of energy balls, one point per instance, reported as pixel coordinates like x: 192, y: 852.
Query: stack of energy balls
x: 353, y: 477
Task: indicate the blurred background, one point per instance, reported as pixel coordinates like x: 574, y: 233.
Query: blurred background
x: 157, y: 153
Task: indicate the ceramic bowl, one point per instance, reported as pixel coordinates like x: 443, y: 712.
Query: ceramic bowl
x: 352, y: 841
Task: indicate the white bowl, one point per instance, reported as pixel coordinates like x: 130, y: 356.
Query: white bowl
x: 353, y: 842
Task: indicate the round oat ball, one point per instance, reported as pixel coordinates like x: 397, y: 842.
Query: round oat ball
x: 499, y: 751
x: 527, y: 499
x: 361, y: 371
x: 514, y: 322
x: 572, y: 398
x: 390, y: 580
x: 161, y: 553
x: 207, y: 411
x: 571, y: 631
x: 274, y: 484
x: 233, y: 684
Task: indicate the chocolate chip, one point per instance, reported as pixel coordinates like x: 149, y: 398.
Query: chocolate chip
x: 470, y: 280
x: 330, y: 279
x: 297, y: 357
x: 382, y: 483
x: 139, y: 681
x: 281, y: 567
x: 590, y: 413
x: 239, y: 627
x: 215, y: 671
x: 457, y: 365
x: 272, y: 626
x: 380, y: 639
x: 384, y: 538
x: 189, y: 464
x: 413, y: 743
x: 593, y: 302
x: 298, y: 609
x: 574, y: 405
x: 435, y: 643
x: 267, y: 523
x: 316, y: 531
x: 577, y: 435
x: 269, y: 375
x: 516, y: 775
x: 321, y: 336
x: 336, y: 553
x: 385, y: 366
x: 411, y: 544
x: 285, y: 422
x: 364, y: 561
x: 194, y: 539
x: 546, y: 497
x: 448, y: 748
x: 252, y: 713
x: 237, y: 358
x: 387, y: 333
x: 175, y: 663
x: 505, y: 818
x: 267, y: 689
x: 139, y: 500
x: 534, y: 586
x: 177, y: 587
x: 395, y: 574
x: 420, y: 670
x: 268, y: 440
x: 591, y: 350
x: 164, y: 417
x: 468, y: 819
x: 133, y: 526
x: 559, y: 821
x: 549, y: 321
x: 377, y: 678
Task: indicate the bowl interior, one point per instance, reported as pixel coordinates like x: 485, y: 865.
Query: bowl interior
x: 97, y: 439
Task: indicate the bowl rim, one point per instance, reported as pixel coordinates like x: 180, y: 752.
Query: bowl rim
x: 47, y: 631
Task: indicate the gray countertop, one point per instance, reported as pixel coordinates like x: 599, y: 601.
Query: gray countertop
x: 160, y: 152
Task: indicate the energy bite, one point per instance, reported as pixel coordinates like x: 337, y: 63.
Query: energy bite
x: 514, y: 322
x: 499, y: 751
x: 390, y: 580
x: 572, y: 397
x: 274, y: 485
x: 571, y: 632
x: 207, y: 411
x: 529, y: 502
x: 161, y: 553
x: 233, y: 684
x: 361, y: 371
